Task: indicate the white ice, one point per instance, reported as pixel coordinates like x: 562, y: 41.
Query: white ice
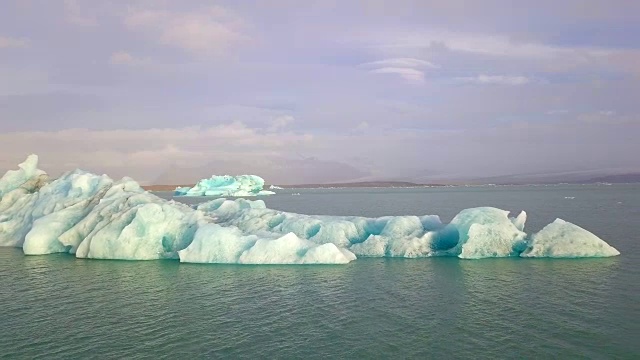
x: 562, y: 239
x: 217, y: 244
x: 226, y: 185
x: 488, y: 232
x: 27, y: 170
x: 93, y: 216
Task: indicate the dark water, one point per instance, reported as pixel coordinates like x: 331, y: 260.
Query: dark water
x: 57, y: 306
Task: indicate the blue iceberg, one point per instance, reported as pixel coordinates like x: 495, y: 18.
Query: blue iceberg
x: 93, y: 216
x: 226, y: 185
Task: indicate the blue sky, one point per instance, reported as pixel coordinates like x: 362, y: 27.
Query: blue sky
x: 320, y: 91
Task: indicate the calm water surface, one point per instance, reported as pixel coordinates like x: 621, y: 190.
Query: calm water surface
x: 57, y: 306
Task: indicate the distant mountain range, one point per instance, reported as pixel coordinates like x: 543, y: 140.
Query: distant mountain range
x: 533, y: 179
x: 570, y: 178
x: 618, y: 179
x: 357, y: 184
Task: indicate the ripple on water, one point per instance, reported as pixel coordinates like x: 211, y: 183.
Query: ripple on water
x: 59, y: 306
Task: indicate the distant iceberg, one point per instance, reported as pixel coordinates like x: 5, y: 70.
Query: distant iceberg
x: 93, y: 216
x: 226, y: 185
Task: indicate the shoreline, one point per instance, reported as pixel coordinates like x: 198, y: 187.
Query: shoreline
x: 386, y: 185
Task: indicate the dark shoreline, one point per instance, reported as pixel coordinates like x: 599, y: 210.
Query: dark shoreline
x: 387, y: 185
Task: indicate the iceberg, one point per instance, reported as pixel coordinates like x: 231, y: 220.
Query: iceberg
x: 92, y: 216
x: 562, y: 239
x: 226, y: 185
x: 27, y: 171
x: 476, y: 233
x: 488, y: 232
x: 216, y: 244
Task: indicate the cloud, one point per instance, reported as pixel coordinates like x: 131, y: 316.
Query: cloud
x: 178, y: 156
x: 399, y: 62
x: 210, y: 31
x: 610, y: 118
x: 520, y: 64
x: 412, y: 76
x: 495, y: 52
x: 557, y: 112
x: 362, y: 126
x: 183, y: 155
x: 495, y: 80
x: 75, y: 15
x: 10, y: 42
x: 497, y: 45
x: 407, y: 68
x: 145, y: 153
x: 281, y: 122
x: 125, y: 58
x: 120, y: 58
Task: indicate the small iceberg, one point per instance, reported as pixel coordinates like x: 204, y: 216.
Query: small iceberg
x: 226, y: 185
x: 562, y: 239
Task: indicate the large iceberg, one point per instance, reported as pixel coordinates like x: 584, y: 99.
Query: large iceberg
x: 93, y: 216
x: 226, y: 185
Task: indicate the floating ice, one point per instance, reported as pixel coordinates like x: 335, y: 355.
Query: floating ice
x: 93, y: 216
x: 488, y: 232
x: 216, y: 244
x: 562, y: 239
x: 28, y: 170
x: 473, y: 234
x: 243, y: 185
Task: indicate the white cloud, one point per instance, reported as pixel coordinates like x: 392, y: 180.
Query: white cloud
x: 125, y: 58
x: 557, y: 112
x: 482, y: 44
x: 407, y: 68
x: 183, y: 155
x: 413, y: 76
x: 75, y: 15
x: 120, y: 57
x: 399, y: 62
x: 281, y: 122
x: 610, y: 118
x: 147, y: 152
x: 10, y: 42
x: 495, y: 80
x: 362, y: 126
x: 211, y: 31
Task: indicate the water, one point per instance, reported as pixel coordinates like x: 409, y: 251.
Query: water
x: 57, y: 306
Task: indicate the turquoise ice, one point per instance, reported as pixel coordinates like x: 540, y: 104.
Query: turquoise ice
x: 93, y: 216
x: 226, y: 185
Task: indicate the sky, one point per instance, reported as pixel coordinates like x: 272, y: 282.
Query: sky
x: 169, y: 92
